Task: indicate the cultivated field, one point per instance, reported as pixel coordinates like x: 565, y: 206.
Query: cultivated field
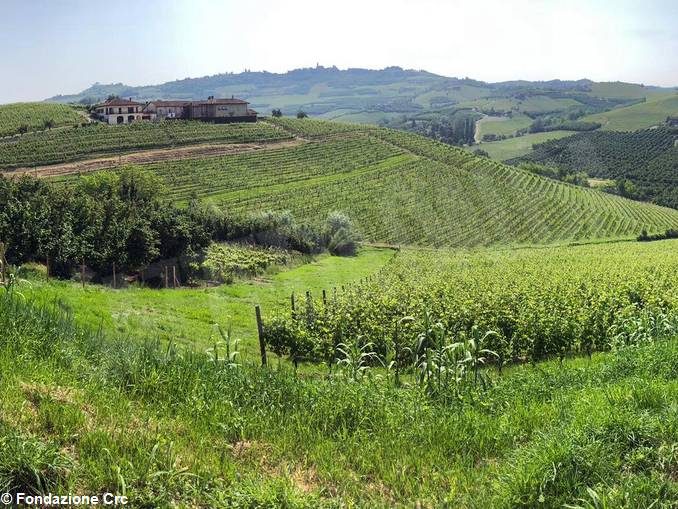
x: 25, y: 117
x: 64, y: 145
x: 405, y: 189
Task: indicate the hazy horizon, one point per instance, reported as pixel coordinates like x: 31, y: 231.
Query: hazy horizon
x: 72, y: 44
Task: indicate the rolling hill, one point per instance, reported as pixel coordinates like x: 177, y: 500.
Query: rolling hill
x: 367, y: 95
x: 406, y: 189
x: 637, y: 116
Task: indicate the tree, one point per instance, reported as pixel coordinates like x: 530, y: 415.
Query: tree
x: 301, y: 114
x: 276, y: 113
x: 48, y: 123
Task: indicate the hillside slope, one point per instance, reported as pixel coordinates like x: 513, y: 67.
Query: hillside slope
x: 638, y: 116
x: 18, y: 117
x: 649, y: 158
x: 406, y: 189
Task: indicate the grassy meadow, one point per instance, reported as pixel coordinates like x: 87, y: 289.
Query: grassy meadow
x: 638, y: 116
x: 518, y: 146
x: 503, y: 126
x: 189, y: 316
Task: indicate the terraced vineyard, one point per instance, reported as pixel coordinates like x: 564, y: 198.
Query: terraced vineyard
x: 405, y: 189
x: 32, y: 116
x: 62, y: 145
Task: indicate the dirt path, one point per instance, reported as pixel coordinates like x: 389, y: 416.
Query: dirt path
x: 149, y: 156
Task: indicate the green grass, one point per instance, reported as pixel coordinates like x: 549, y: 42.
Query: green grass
x: 188, y: 315
x: 87, y: 414
x: 638, y: 116
x: 503, y: 126
x: 519, y: 146
x: 33, y: 116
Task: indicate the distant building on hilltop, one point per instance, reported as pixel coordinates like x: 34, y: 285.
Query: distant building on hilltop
x: 115, y: 111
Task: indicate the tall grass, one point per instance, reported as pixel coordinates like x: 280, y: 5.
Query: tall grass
x: 173, y: 426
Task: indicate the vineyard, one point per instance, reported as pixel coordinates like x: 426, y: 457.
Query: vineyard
x: 24, y: 117
x: 588, y: 298
x: 224, y: 262
x: 62, y: 145
x: 405, y: 189
x: 648, y: 158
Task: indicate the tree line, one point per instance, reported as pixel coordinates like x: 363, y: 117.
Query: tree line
x: 122, y: 219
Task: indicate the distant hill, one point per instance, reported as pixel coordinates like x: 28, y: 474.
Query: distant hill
x: 376, y: 95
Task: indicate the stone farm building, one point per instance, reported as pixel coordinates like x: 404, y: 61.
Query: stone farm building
x: 125, y: 111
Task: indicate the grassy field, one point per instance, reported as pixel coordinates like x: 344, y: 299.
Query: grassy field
x: 515, y: 147
x: 503, y: 126
x: 32, y: 117
x: 188, y: 316
x: 86, y: 413
x: 638, y: 116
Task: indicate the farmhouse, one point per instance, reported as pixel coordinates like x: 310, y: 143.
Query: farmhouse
x: 125, y: 111
x: 120, y: 111
x: 211, y: 110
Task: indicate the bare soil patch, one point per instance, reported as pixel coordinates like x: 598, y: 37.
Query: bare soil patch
x: 149, y: 156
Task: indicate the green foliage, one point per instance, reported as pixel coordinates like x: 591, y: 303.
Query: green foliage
x: 106, y: 218
x: 224, y: 262
x: 339, y: 235
x: 588, y: 298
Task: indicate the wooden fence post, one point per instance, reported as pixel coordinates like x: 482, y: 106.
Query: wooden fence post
x: 324, y: 297
x: 82, y: 274
x: 114, y: 281
x: 260, y: 329
x: 174, y: 276
x: 293, y: 306
x: 3, y: 263
x: 47, y: 263
x: 166, y: 278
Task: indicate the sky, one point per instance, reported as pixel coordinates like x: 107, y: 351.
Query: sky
x: 50, y: 47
